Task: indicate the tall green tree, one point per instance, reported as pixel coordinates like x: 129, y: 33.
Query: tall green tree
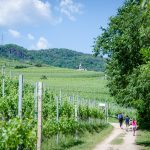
x: 122, y: 41
x: 126, y: 40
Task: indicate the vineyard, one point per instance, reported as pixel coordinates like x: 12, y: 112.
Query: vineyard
x: 23, y: 132
x: 55, y: 98
x: 87, y: 84
x: 63, y: 116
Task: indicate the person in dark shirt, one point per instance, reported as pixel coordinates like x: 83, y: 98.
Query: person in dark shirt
x: 120, y: 118
x: 127, y: 120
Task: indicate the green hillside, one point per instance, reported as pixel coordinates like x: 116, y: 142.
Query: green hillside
x: 87, y: 84
x: 64, y: 58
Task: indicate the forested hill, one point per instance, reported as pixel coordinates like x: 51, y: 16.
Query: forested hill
x: 55, y: 57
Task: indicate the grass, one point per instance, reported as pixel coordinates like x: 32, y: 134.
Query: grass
x: 112, y: 119
x: 64, y: 142
x: 143, y: 139
x: 118, y: 140
x: 87, y: 84
x: 91, y: 140
x: 86, y: 142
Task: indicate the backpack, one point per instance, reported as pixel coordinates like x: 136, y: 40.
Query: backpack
x: 120, y: 116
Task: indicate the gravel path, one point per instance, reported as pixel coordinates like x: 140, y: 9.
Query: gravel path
x: 128, y: 140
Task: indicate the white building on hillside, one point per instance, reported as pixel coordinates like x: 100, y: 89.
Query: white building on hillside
x: 81, y: 68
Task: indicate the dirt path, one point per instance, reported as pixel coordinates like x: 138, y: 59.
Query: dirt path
x: 128, y: 140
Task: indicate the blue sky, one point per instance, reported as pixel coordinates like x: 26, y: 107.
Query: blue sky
x: 40, y: 24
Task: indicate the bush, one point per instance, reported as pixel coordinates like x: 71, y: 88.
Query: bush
x: 43, y: 77
x: 38, y: 65
x: 20, y: 67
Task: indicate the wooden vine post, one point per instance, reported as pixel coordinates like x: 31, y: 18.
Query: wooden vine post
x: 106, y: 111
x: 36, y: 101
x: 20, y: 96
x: 39, y: 132
x: 76, y: 116
x: 3, y: 81
x: 60, y: 97
x: 57, y: 119
x: 10, y: 74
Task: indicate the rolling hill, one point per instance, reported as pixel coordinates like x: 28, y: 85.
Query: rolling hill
x: 64, y: 58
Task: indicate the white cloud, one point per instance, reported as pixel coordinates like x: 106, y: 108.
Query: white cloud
x: 30, y: 36
x: 24, y: 11
x: 42, y: 43
x: 14, y: 33
x: 18, y: 12
x: 70, y: 8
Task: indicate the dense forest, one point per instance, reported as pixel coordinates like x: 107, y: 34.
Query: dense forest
x: 55, y: 57
x: 126, y: 40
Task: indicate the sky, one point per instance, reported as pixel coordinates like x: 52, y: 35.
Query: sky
x: 42, y: 24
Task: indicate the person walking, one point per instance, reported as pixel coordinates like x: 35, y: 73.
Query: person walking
x: 127, y: 119
x: 134, y: 126
x: 120, y: 118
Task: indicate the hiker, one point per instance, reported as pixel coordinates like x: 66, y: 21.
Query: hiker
x: 120, y: 118
x: 127, y: 119
x: 134, y: 126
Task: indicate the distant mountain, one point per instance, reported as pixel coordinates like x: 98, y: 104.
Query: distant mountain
x: 55, y: 57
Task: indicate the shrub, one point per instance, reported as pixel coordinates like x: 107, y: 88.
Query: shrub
x: 38, y: 65
x: 20, y: 67
x: 43, y: 77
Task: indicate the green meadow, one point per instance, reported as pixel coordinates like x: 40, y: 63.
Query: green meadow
x: 86, y: 84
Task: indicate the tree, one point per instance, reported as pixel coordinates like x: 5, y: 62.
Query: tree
x: 122, y: 42
x: 126, y: 41
x: 137, y: 94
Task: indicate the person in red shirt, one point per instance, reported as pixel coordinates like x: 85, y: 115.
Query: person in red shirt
x: 134, y: 126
